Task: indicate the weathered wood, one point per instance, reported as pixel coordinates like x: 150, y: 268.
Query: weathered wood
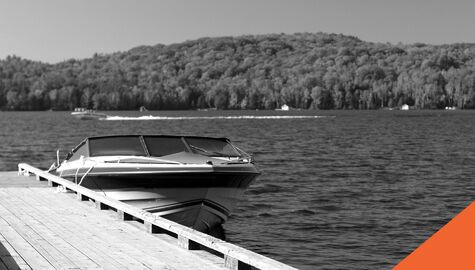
x: 12, y: 179
x: 187, y: 243
x: 39, y: 178
x: 151, y: 228
x: 22, y: 246
x: 123, y: 215
x: 9, y: 256
x: 52, y: 183
x: 245, y: 257
x: 54, y: 231
x: 234, y: 264
x: 44, y: 241
x: 81, y: 197
x: 23, y: 172
x: 101, y: 206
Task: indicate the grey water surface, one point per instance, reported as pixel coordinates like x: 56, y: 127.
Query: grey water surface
x: 354, y: 190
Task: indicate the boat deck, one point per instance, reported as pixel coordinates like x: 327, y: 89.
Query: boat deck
x: 41, y: 228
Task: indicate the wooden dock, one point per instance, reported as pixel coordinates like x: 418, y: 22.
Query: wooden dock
x: 55, y: 224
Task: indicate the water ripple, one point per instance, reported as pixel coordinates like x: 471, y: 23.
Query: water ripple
x: 357, y: 191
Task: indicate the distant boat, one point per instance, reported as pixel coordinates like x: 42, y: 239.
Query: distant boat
x: 451, y: 108
x: 405, y: 107
x: 284, y: 107
x: 87, y: 114
x: 143, y: 109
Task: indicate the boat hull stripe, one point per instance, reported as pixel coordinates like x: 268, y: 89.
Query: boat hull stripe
x: 208, y: 203
x: 229, y: 180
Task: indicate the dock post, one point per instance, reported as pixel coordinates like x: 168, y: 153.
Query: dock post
x: 39, y: 178
x: 22, y: 171
x: 81, y: 197
x: 123, y: 215
x: 150, y: 228
x: 101, y: 206
x: 235, y: 264
x: 52, y: 184
x: 187, y: 243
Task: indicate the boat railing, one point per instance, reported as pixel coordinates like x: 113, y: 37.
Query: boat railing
x: 235, y: 257
x: 249, y: 157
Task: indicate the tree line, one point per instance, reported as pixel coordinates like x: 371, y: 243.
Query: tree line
x: 303, y: 70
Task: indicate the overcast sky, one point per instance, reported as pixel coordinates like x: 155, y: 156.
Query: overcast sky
x: 56, y: 30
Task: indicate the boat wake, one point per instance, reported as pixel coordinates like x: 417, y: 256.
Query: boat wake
x: 151, y: 117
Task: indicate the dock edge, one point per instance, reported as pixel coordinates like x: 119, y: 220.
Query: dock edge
x: 235, y: 257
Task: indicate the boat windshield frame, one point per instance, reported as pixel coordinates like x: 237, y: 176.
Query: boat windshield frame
x: 188, y: 147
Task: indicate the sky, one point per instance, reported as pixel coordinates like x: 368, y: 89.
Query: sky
x: 57, y: 30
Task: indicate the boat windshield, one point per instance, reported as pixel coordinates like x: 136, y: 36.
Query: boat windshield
x: 116, y: 146
x: 212, y: 147
x: 162, y: 146
x: 154, y: 146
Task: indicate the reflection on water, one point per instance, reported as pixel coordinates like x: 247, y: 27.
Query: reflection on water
x: 359, y: 190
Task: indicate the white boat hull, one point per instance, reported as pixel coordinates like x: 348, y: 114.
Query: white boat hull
x: 200, y: 199
x: 195, y: 181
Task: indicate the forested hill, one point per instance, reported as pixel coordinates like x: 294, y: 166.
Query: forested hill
x: 308, y: 71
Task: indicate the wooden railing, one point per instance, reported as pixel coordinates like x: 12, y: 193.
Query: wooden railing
x: 235, y: 257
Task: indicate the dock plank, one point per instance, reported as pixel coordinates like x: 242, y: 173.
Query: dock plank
x: 28, y: 253
x: 134, y: 243
x: 66, y: 229
x: 94, y: 236
x: 235, y: 257
x: 75, y: 234
x: 9, y: 257
x: 43, y: 239
x: 89, y: 243
x: 11, y: 179
x: 54, y: 230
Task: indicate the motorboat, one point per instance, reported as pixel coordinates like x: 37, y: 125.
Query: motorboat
x: 87, y: 114
x: 195, y: 181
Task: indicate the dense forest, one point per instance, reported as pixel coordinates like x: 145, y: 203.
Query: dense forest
x: 305, y: 70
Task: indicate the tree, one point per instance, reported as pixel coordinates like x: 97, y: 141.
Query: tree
x: 316, y: 71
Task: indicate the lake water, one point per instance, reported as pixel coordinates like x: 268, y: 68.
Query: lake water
x: 354, y: 190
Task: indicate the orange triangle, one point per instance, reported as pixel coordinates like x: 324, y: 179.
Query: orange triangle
x: 452, y: 247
